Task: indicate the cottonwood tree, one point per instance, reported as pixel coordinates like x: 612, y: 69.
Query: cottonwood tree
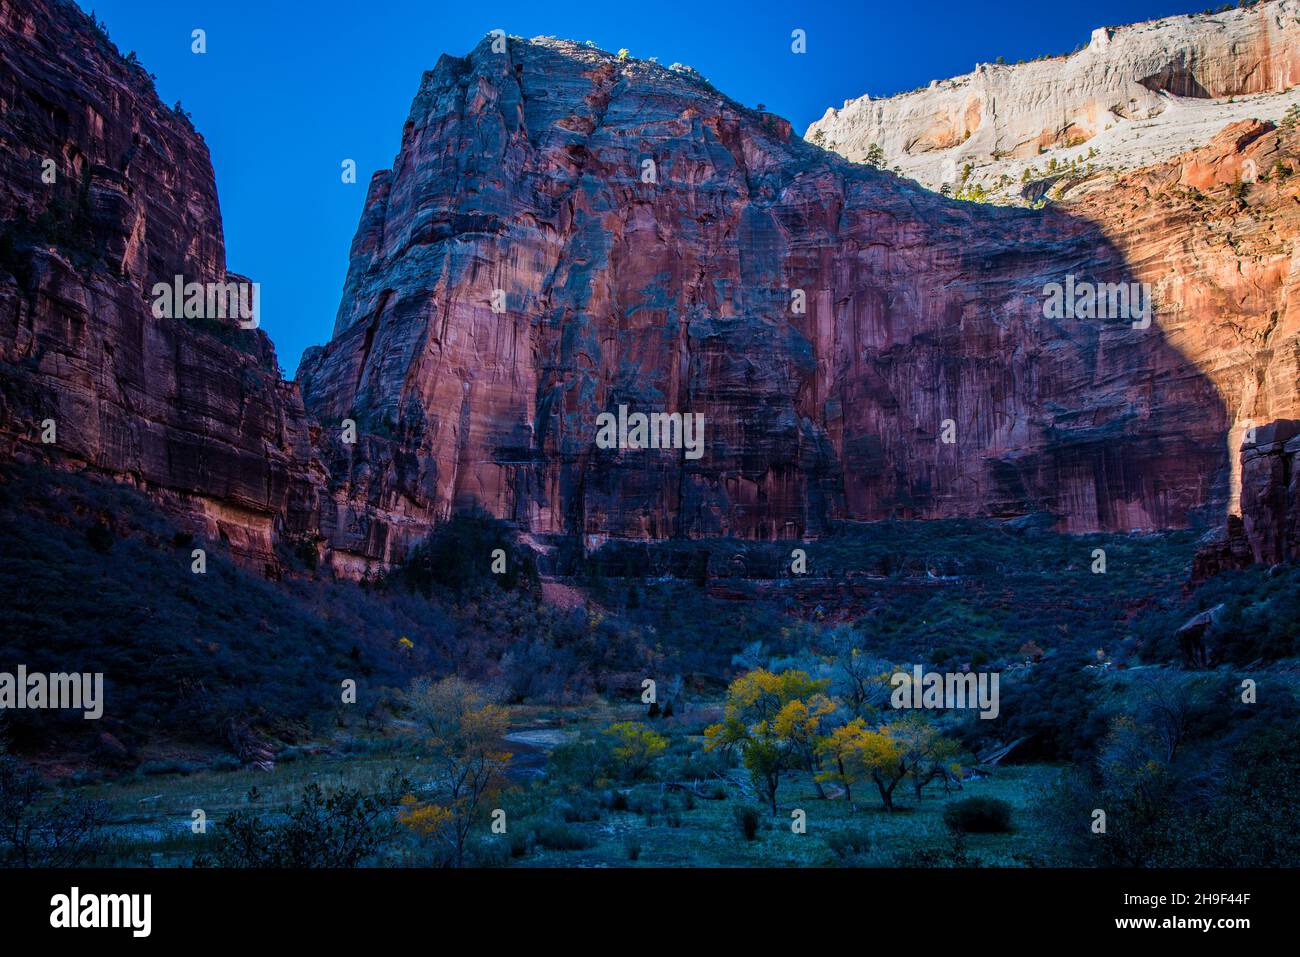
x: 799, y: 724
x: 753, y: 725
x: 907, y: 748
x: 857, y: 753
x: 432, y: 823
x: 862, y: 681
x: 1169, y: 704
x: 926, y: 753
x: 464, y: 731
x: 634, y: 748
x: 1138, y: 790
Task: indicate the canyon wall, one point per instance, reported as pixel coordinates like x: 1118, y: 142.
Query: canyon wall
x: 1132, y: 96
x: 104, y: 191
x: 648, y: 239
x: 1214, y: 233
x: 1162, y: 134
x: 564, y: 232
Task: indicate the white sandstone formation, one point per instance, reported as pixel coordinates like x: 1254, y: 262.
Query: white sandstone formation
x: 1133, y: 96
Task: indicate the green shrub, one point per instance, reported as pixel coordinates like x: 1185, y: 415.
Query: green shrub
x: 557, y: 836
x: 647, y: 804
x: 978, y: 815
x: 579, y: 811
x: 520, y: 842
x: 849, y: 845
x: 458, y: 557
x: 343, y: 828
x: 37, y: 831
x: 492, y: 852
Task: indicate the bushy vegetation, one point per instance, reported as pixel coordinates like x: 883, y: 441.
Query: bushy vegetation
x: 460, y: 556
x: 850, y: 845
x: 38, y: 829
x: 1225, y: 801
x: 978, y: 815
x: 1053, y: 709
x: 343, y: 828
x: 947, y: 592
x: 558, y: 836
x: 95, y: 580
x: 461, y: 731
x: 1186, y: 772
x: 1260, y: 618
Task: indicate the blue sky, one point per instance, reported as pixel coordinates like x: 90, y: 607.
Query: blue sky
x: 288, y: 90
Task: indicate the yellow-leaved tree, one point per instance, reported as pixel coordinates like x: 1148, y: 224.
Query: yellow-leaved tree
x: 856, y: 753
x: 926, y: 753
x: 909, y: 747
x: 799, y: 724
x: 635, y: 747
x: 463, y: 732
x: 757, y: 724
x: 431, y: 822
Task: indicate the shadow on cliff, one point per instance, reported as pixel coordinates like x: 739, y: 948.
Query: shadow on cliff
x: 1132, y: 434
x: 922, y: 312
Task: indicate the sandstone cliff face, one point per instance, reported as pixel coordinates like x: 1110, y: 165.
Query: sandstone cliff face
x: 1268, y: 529
x: 1214, y: 232
x: 198, y: 417
x: 523, y: 172
x: 1135, y: 95
x: 1211, y: 230
x: 1270, y: 494
x: 523, y: 181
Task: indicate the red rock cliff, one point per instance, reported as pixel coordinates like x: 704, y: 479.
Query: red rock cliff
x: 195, y: 415
x: 524, y: 172
x: 529, y: 172
x: 1215, y: 232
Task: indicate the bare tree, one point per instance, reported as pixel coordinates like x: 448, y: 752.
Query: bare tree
x: 63, y: 833
x: 861, y: 680
x: 1169, y: 702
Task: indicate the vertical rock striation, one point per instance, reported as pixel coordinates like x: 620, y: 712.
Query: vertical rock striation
x: 196, y: 415
x: 564, y: 233
x: 523, y: 172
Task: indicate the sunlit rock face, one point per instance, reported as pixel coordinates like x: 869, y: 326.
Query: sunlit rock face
x: 525, y: 173
x: 196, y: 416
x: 1214, y: 232
x: 1268, y: 529
x: 1270, y: 494
x: 1131, y: 96
x: 565, y: 233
